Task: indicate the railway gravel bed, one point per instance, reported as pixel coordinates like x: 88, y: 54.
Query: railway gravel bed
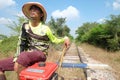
x: 97, y: 70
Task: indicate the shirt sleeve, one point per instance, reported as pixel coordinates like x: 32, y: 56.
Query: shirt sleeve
x: 53, y: 38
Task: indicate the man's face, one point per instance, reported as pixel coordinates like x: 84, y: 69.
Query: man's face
x: 35, y: 13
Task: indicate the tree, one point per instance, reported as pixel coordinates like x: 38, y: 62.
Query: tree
x: 82, y: 30
x: 16, y: 26
x: 113, y: 27
x: 58, y: 26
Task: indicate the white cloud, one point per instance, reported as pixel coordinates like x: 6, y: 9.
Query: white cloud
x: 5, y: 20
x: 102, y: 20
x: 69, y: 13
x: 6, y: 3
x: 116, y: 5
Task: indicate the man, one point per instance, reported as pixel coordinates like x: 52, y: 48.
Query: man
x: 34, y: 40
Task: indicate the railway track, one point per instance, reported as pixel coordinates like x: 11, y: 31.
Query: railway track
x: 70, y: 72
x: 77, y: 65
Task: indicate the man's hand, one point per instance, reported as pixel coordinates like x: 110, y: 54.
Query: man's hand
x: 67, y: 42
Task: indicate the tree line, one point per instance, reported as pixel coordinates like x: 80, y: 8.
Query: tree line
x: 105, y: 35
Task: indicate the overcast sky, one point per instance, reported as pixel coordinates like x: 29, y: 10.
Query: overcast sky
x: 76, y: 12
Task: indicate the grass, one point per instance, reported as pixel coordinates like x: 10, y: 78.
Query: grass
x: 0, y: 41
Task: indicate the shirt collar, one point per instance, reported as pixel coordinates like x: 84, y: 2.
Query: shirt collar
x: 36, y: 26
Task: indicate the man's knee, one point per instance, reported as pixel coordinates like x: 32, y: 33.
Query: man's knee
x: 1, y: 73
x: 18, y: 67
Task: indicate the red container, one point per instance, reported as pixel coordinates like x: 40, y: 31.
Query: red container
x: 37, y: 72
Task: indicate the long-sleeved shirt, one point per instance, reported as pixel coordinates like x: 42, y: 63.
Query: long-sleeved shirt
x: 36, y: 38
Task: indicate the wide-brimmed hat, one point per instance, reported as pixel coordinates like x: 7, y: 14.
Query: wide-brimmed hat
x: 26, y: 8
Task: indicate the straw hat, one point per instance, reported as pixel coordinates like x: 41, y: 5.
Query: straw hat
x: 27, y: 6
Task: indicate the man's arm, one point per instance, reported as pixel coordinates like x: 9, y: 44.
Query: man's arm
x: 56, y: 40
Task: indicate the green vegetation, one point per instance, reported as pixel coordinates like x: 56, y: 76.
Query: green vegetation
x: 59, y: 27
x: 2, y: 37
x: 9, y: 44
x: 105, y: 35
x: 0, y: 40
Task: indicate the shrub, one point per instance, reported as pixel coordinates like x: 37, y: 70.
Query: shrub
x: 8, y: 44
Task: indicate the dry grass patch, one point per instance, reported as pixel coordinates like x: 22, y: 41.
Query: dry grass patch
x: 110, y: 58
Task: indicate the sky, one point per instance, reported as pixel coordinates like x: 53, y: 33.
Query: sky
x: 76, y: 12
